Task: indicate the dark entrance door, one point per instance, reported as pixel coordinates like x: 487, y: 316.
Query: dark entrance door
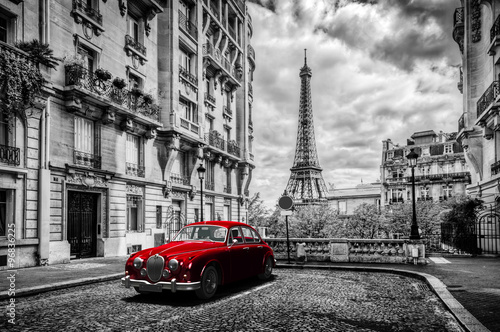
x: 82, y: 223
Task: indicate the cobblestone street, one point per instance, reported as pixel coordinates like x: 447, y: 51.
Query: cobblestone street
x: 294, y: 300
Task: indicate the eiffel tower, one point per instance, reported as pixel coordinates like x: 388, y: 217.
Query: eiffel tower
x: 306, y: 184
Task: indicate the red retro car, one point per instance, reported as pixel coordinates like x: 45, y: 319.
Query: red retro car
x: 201, y: 256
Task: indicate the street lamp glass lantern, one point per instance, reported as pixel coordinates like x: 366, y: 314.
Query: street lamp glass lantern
x: 412, y: 158
x: 201, y: 172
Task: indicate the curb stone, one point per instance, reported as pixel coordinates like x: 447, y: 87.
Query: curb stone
x: 60, y: 285
x: 464, y: 317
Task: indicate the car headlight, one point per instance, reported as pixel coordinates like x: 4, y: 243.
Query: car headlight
x: 173, y: 264
x: 138, y: 263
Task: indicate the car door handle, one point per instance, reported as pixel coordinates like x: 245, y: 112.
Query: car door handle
x: 260, y: 247
x: 246, y: 248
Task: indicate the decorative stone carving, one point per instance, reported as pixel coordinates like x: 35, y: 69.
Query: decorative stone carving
x: 147, y: 29
x: 173, y: 143
x: 108, y: 117
x: 123, y: 7
x: 192, y: 192
x: 87, y: 180
x: 127, y: 125
x: 476, y: 20
x: 223, y: 82
x: 134, y: 190
x: 73, y: 105
x: 218, y: 74
x: 150, y: 133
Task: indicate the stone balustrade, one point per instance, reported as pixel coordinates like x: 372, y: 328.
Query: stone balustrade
x: 348, y: 250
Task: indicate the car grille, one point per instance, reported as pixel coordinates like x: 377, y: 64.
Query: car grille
x: 155, y: 267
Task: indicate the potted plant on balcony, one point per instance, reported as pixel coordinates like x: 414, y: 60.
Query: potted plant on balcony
x: 147, y: 99
x: 39, y: 52
x: 119, y: 83
x: 74, y: 65
x: 136, y: 92
x: 102, y: 74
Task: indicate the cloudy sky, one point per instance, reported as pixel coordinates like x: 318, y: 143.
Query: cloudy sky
x: 380, y: 69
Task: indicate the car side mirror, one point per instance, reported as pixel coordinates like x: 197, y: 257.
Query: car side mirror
x: 234, y: 241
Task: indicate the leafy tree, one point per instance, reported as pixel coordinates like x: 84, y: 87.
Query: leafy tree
x: 257, y: 211
x: 39, y: 52
x: 366, y: 223
x: 399, y: 217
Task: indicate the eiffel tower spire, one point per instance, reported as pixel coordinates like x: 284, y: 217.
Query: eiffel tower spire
x: 306, y: 184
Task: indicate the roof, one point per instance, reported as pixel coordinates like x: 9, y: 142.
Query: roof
x: 226, y: 224
x: 424, y: 133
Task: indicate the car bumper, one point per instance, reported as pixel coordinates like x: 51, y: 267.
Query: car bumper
x: 173, y: 285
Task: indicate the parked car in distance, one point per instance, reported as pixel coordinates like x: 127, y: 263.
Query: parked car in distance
x: 201, y: 257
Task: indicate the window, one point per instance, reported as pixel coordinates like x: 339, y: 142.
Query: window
x: 227, y: 212
x: 342, y: 207
x: 424, y: 193
x: 188, y: 110
x: 235, y: 234
x: 185, y: 10
x: 248, y: 235
x: 3, y: 28
x: 7, y: 27
x: 158, y: 216
x: 209, y: 124
x: 179, y: 172
x: 227, y: 182
x: 133, y: 28
x: 426, y: 151
x: 134, y: 81
x: 448, y: 168
x: 209, y: 211
x: 134, y: 213
x: 227, y: 133
x: 89, y: 57
x: 210, y: 176
x: 448, y: 148
x: 6, y: 210
x: 390, y: 154
x: 133, y: 156
x: 84, y: 135
x: 4, y: 130
x: 447, y: 191
x: 185, y: 61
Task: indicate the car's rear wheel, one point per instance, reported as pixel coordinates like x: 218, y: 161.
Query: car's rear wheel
x: 268, y: 269
x: 209, y: 283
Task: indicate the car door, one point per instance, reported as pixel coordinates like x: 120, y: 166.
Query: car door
x: 254, y: 253
x: 238, y: 254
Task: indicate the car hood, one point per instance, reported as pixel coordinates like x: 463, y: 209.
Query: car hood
x: 182, y: 247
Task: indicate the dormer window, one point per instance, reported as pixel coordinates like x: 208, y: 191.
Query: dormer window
x: 448, y: 148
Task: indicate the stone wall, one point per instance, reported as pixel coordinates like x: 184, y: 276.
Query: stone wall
x: 347, y: 250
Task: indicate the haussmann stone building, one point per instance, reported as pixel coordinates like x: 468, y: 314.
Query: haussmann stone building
x: 106, y: 162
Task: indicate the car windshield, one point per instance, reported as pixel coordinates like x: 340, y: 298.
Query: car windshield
x: 202, y: 233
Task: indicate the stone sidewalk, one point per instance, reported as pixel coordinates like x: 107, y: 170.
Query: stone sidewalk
x: 469, y: 287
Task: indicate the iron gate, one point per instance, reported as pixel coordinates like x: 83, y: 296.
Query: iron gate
x: 82, y: 224
x: 174, y: 222
x: 488, y: 231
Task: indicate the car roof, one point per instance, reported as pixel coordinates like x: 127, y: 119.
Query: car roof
x: 226, y: 224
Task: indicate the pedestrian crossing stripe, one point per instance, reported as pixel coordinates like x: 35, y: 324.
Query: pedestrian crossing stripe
x: 439, y: 260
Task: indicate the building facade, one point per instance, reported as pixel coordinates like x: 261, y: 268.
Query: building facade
x: 476, y: 29
x: 441, y: 170
x: 347, y: 200
x: 147, y: 91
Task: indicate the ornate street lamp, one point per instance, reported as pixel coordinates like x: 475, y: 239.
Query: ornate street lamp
x: 201, y: 174
x: 412, y: 162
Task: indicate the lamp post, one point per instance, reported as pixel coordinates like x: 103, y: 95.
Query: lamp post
x: 412, y: 162
x: 201, y: 174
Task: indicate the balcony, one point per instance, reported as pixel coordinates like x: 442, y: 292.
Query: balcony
x: 228, y: 112
x: 87, y: 16
x: 250, y: 89
x: 251, y: 53
x: 458, y: 27
x: 134, y: 48
x: 461, y: 123
x: 10, y: 155
x: 104, y: 92
x: 86, y: 159
x: 215, y: 140
x: 495, y: 168
x: 209, y: 99
x: 191, y: 126
x: 188, y: 27
x: 134, y: 170
x: 214, y: 10
x: 488, y: 98
x: 179, y: 179
x: 209, y: 185
x: 186, y: 75
x: 219, y: 62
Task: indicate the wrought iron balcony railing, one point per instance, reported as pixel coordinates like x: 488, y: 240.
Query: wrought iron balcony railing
x: 228, y: 111
x: 10, y: 155
x: 79, y: 76
x: 184, y: 73
x: 495, y: 29
x: 488, y: 97
x: 209, y: 185
x: 495, y: 168
x: 93, y: 13
x: 131, y: 42
x: 215, y: 140
x: 86, y: 159
x: 187, y: 25
x: 135, y: 170
x: 180, y: 179
x: 222, y: 62
x: 458, y: 16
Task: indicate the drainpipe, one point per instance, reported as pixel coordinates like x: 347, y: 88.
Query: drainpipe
x: 44, y: 172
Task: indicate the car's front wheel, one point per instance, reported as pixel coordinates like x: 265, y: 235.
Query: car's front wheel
x: 268, y: 269
x: 209, y: 282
